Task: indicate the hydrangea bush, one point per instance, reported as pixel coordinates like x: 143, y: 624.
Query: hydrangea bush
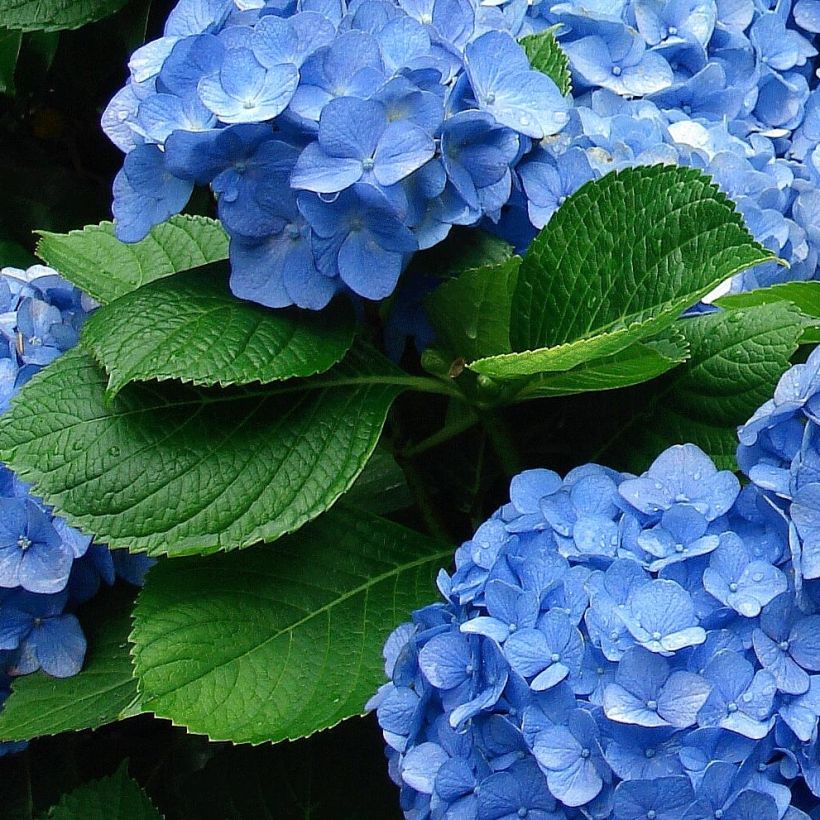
x: 598, y: 222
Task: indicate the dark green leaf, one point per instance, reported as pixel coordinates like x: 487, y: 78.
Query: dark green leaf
x: 105, y: 268
x: 52, y: 15
x: 190, y: 327
x: 736, y: 360
x: 471, y: 314
x: 172, y: 469
x: 547, y: 56
x: 116, y: 797
x: 618, y: 262
x: 381, y: 488
x: 104, y: 691
x: 9, y: 50
x: 279, y: 643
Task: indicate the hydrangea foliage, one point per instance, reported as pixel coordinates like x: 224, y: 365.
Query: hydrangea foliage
x: 625, y: 646
x: 47, y: 568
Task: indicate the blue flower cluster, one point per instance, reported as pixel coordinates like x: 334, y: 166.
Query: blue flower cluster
x: 339, y: 137
x: 727, y: 86
x: 626, y: 647
x: 47, y: 568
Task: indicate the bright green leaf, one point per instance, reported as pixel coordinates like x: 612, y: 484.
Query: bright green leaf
x: 190, y: 327
x: 471, y: 313
x: 547, y: 56
x: 105, y: 268
x: 618, y: 262
x: 804, y: 295
x: 736, y: 359
x: 172, y: 469
x: 279, y: 643
x: 639, y: 363
x: 104, y: 691
x: 53, y: 15
x: 9, y: 51
x: 116, y: 797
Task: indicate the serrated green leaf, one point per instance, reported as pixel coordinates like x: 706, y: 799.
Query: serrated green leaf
x: 471, y: 313
x: 53, y: 15
x: 116, y: 797
x: 736, y: 359
x: 547, y: 56
x: 191, y: 327
x: 279, y: 643
x: 381, y: 488
x: 639, y: 363
x: 173, y: 469
x: 618, y: 262
x: 105, y: 268
x: 103, y: 692
x: 10, y: 42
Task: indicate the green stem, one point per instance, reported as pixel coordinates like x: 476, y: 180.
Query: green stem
x: 502, y: 443
x: 445, y: 434
x: 429, y: 514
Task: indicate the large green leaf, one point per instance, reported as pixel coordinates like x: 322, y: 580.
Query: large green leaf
x: 736, y: 360
x: 279, y: 643
x: 618, y: 262
x: 52, y: 15
x: 171, y: 469
x: 190, y: 327
x: 105, y: 268
x: 104, y: 691
x: 471, y: 313
x: 116, y: 797
x: 639, y: 363
x: 547, y: 56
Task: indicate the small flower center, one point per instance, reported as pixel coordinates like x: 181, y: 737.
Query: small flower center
x: 784, y: 646
x: 469, y: 669
x: 585, y: 753
x: 731, y: 707
x: 652, y: 705
x: 555, y: 657
x: 617, y: 70
x: 368, y: 163
x: 489, y: 99
x: 24, y: 542
x: 651, y: 814
x: 733, y: 587
x: 513, y: 627
x: 292, y: 231
x: 680, y: 548
x: 656, y: 636
x: 649, y: 754
x: 673, y: 30
x: 718, y: 814
x: 523, y: 811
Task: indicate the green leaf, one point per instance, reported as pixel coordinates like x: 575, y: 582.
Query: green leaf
x: 116, y: 797
x: 105, y: 268
x: 618, y: 262
x: 547, y: 56
x: 173, y: 469
x: 192, y: 328
x: 103, y: 692
x: 471, y: 314
x: 638, y: 363
x: 9, y: 51
x: 53, y: 15
x: 804, y: 295
x: 279, y: 643
x: 736, y: 360
x: 381, y: 488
